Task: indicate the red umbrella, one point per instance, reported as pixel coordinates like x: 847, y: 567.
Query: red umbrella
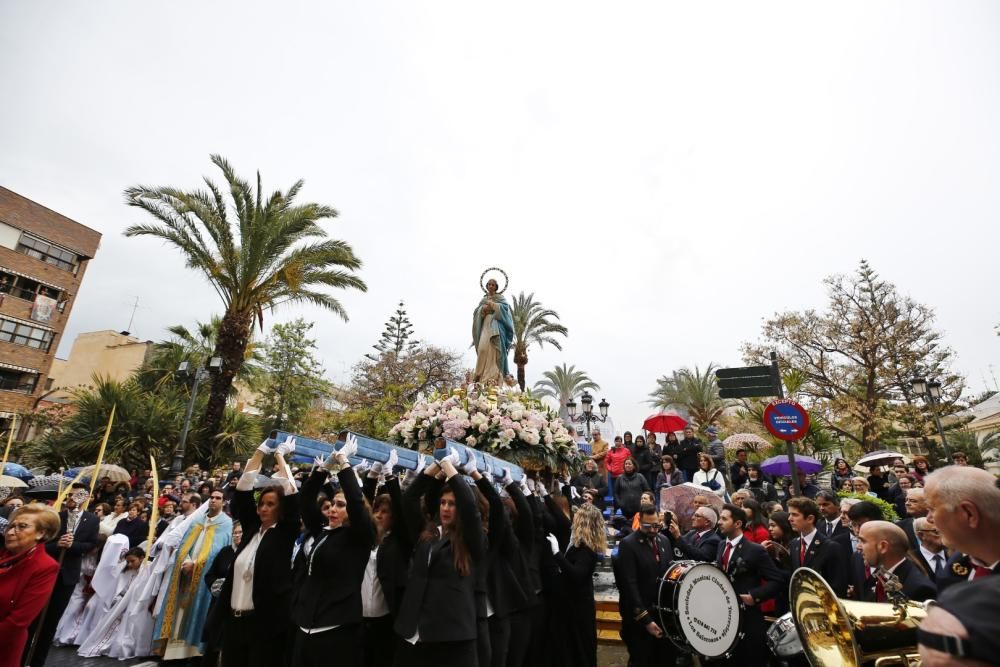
x: 664, y: 422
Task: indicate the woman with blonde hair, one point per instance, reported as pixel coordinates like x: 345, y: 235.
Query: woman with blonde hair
x: 588, y: 543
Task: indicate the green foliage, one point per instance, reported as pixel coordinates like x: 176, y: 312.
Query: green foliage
x: 146, y: 422
x: 255, y: 252
x: 291, y: 377
x: 695, y: 392
x: 533, y: 324
x: 888, y: 511
x: 563, y: 383
x: 396, y: 336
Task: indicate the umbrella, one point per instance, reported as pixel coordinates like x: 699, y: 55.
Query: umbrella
x: 680, y: 500
x: 46, y: 480
x: 12, y: 482
x: 778, y: 465
x: 16, y: 470
x: 115, y: 473
x: 664, y: 422
x: 746, y: 440
x: 46, y: 491
x: 882, y: 457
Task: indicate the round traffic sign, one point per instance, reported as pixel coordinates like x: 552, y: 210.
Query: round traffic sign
x: 785, y: 419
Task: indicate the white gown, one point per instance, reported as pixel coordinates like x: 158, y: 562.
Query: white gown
x: 68, y: 629
x: 127, y: 631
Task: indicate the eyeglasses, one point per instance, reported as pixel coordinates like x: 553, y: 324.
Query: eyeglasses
x: 20, y: 527
x: 930, y: 532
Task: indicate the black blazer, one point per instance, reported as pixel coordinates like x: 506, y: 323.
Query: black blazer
x: 84, y: 539
x: 839, y: 528
x: 272, y: 591
x: 507, y: 591
x: 392, y: 562
x: 929, y: 566
x: 326, y: 586
x: 527, y: 566
x: 440, y: 603
x: 704, y: 549
x: 752, y: 571
x: 637, y: 575
x: 957, y: 570
x: 916, y: 585
x: 826, y: 557
x: 907, y: 526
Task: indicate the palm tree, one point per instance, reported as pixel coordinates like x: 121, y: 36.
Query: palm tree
x: 194, y: 346
x: 563, y: 383
x: 692, y: 391
x: 272, y: 252
x: 532, y: 324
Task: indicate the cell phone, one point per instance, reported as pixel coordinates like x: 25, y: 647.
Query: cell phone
x: 668, y: 517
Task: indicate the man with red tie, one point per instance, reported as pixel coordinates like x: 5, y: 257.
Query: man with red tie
x: 756, y: 579
x: 812, y: 550
x: 883, y: 544
x: 964, y: 505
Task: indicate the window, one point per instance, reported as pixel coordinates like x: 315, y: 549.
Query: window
x: 47, y: 252
x: 25, y: 334
x: 11, y: 380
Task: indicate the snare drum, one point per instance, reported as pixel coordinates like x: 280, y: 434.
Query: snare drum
x: 699, y: 609
x: 783, y: 638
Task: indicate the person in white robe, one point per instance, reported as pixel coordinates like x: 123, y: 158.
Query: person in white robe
x: 68, y: 629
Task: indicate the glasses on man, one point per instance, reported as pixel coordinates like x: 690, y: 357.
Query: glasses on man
x: 928, y: 531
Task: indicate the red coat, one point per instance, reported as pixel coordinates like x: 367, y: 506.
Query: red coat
x: 616, y: 460
x: 24, y: 590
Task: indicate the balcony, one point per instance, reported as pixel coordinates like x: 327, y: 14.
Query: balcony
x: 23, y: 287
x: 18, y: 379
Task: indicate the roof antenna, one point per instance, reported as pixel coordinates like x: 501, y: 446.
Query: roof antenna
x: 131, y: 319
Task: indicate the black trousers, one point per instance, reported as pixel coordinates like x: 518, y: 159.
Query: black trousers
x: 540, y: 651
x: 321, y: 649
x: 257, y: 640
x: 378, y: 642
x: 520, y: 638
x: 645, y: 650
x: 437, y: 654
x: 499, y: 640
x: 483, y: 649
x: 57, y: 605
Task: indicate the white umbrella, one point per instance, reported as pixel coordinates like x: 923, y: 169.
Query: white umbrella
x: 882, y: 457
x: 748, y: 440
x: 114, y: 473
x: 6, y: 481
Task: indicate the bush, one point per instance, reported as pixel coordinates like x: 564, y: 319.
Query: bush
x: 888, y: 511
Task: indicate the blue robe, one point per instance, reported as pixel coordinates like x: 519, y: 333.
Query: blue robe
x: 189, y: 594
x: 503, y: 329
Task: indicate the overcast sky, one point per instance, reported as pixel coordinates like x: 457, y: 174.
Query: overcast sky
x: 664, y: 176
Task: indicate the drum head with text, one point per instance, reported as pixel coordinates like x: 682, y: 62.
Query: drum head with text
x: 708, y: 610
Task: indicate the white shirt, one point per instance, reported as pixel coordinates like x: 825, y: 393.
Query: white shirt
x: 373, y: 604
x: 242, y: 598
x: 929, y: 556
x: 808, y: 539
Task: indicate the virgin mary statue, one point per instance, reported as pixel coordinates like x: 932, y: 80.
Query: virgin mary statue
x: 492, y: 333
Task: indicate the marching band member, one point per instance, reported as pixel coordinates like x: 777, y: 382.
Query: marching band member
x: 812, y: 550
x: 885, y: 545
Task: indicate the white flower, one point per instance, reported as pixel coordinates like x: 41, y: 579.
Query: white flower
x: 471, y: 441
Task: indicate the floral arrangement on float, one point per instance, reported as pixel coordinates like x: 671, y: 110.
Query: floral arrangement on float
x: 515, y: 427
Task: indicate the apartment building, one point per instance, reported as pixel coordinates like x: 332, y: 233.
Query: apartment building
x: 43, y: 258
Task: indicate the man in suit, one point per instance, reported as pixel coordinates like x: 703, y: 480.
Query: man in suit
x: 77, y: 536
x: 916, y: 506
x: 884, y: 544
x: 643, y: 557
x: 702, y: 541
x: 829, y: 524
x: 931, y: 552
x: 858, y: 574
x: 756, y: 579
x: 964, y: 505
x: 812, y: 550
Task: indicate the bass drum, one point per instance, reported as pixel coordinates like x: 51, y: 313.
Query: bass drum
x: 699, y: 609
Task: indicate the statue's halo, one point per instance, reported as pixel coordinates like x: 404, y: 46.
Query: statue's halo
x: 494, y: 268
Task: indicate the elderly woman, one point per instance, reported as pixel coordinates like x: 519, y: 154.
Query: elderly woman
x: 27, y: 576
x: 860, y: 485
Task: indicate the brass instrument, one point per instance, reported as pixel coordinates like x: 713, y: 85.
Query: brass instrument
x: 847, y: 633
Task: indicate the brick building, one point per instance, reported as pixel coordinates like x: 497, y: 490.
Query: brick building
x: 43, y: 257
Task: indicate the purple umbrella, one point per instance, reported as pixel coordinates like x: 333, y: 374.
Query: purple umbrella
x: 778, y: 465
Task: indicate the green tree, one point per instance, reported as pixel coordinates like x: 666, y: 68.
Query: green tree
x: 396, y: 336
x: 859, y: 356
x: 195, y: 346
x: 256, y: 254
x: 563, y: 383
x: 533, y: 324
x: 292, y: 378
x: 146, y: 422
x: 695, y: 392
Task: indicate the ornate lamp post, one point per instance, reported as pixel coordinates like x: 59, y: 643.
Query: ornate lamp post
x: 588, y: 416
x: 198, y: 375
x: 931, y: 391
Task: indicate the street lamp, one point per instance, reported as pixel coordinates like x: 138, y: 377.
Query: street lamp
x: 931, y: 391
x: 588, y: 416
x: 184, y: 369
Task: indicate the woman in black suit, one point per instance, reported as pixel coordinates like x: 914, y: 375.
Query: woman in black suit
x: 330, y: 567
x: 255, y: 600
x: 437, y: 619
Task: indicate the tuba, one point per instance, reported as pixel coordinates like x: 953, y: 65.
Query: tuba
x: 847, y: 633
